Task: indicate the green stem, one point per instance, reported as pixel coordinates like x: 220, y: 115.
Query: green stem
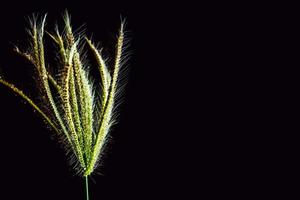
x: 87, y: 188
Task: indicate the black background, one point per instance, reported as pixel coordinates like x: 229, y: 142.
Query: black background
x: 189, y: 124
x: 146, y: 157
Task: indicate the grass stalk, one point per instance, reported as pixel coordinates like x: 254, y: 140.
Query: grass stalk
x: 87, y: 194
x: 71, y: 102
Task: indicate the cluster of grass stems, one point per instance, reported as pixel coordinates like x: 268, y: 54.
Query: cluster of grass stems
x: 78, y: 110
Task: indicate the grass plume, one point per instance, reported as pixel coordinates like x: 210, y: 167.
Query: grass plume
x: 71, y: 105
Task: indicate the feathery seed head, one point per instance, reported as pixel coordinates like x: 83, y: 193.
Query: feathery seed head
x: 74, y: 112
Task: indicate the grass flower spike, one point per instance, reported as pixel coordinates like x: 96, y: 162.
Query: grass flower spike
x: 80, y: 111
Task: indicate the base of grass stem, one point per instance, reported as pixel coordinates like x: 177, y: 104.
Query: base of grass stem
x: 87, y: 188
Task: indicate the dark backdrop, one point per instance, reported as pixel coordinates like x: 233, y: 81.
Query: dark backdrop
x: 190, y: 122
x: 145, y: 157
